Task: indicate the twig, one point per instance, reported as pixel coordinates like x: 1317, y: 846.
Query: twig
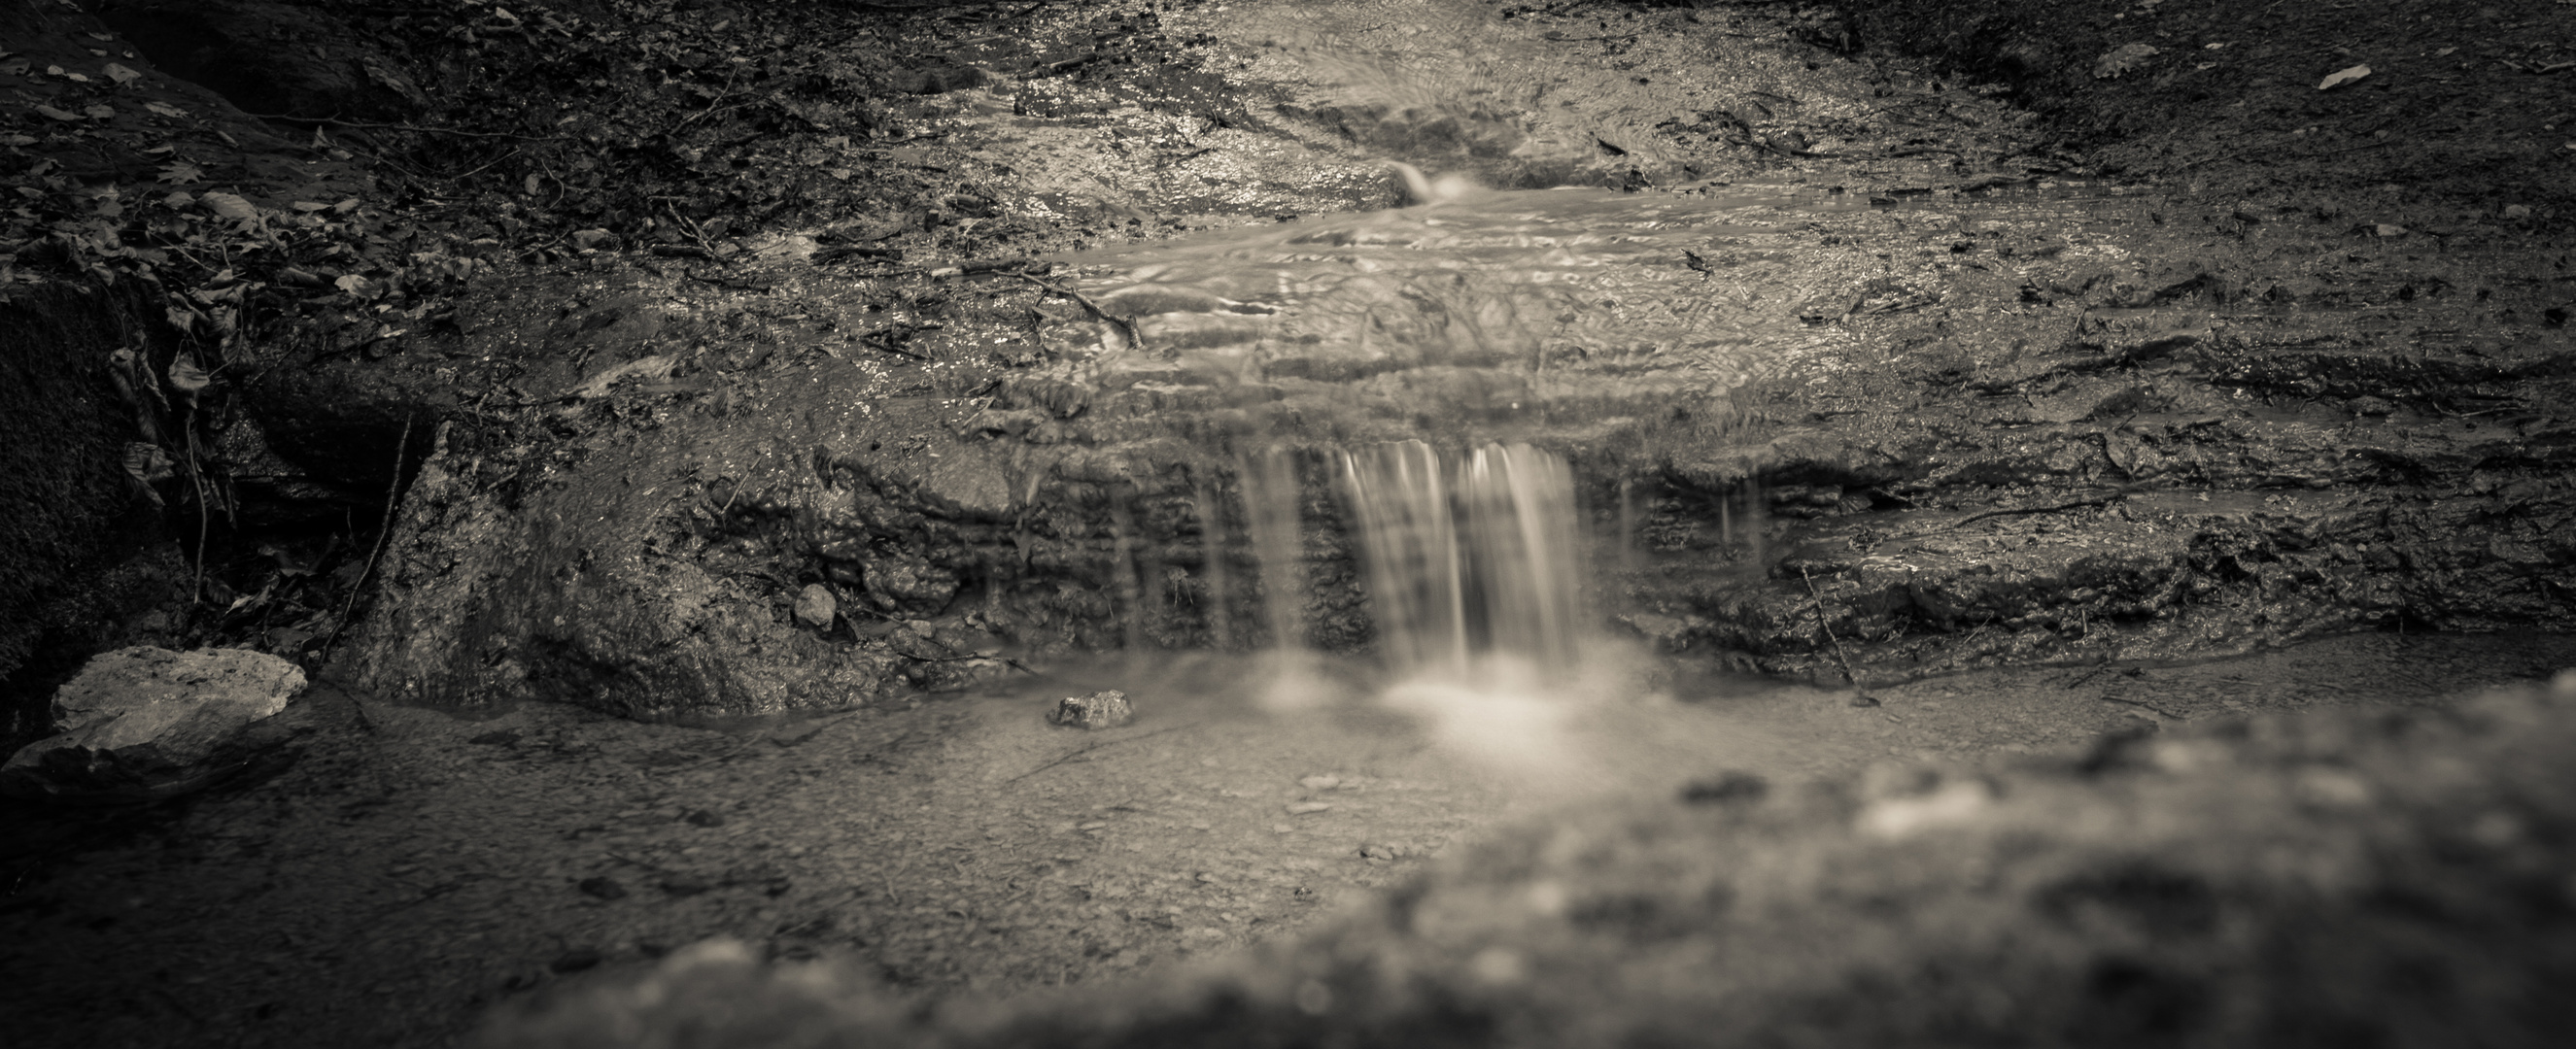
x: 2108, y: 698
x: 2077, y: 505
x: 1860, y: 696
x: 405, y: 127
x: 730, y: 76
x: 1080, y: 751
x: 881, y: 339
x: 384, y: 535
x: 1125, y: 327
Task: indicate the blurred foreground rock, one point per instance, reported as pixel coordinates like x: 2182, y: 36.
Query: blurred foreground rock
x: 143, y: 724
x: 2390, y: 879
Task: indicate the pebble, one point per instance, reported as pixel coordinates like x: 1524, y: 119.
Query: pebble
x: 1320, y: 782
x: 1306, y: 807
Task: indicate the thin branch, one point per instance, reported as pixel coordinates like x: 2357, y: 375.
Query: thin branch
x: 337, y: 122
x: 1080, y: 751
x: 1860, y: 696
x: 384, y: 535
x: 1124, y: 326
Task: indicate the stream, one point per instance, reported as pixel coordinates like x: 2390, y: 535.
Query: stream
x: 1396, y: 526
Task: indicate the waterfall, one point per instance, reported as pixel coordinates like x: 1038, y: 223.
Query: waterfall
x: 1468, y: 560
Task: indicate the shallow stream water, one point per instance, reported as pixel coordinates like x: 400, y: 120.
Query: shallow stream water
x: 403, y: 876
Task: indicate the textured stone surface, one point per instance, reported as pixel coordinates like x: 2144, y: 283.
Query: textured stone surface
x: 142, y: 723
x: 1104, y: 709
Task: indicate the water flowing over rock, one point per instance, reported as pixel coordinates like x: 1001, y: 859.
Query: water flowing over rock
x: 1471, y: 557
x: 139, y: 724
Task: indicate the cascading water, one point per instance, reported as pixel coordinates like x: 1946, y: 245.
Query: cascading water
x: 1471, y: 563
x: 1415, y: 362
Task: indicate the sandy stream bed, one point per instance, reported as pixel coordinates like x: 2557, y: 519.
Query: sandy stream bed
x: 393, y: 882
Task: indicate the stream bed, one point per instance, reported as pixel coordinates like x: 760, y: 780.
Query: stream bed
x: 400, y: 878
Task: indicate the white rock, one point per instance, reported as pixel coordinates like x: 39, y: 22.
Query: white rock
x: 145, y: 723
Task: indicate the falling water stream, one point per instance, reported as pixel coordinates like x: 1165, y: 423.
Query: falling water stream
x: 1421, y: 363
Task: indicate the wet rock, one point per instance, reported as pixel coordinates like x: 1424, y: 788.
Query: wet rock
x: 141, y: 724
x: 908, y: 583
x: 816, y: 607
x: 1099, y: 710
x: 556, y: 600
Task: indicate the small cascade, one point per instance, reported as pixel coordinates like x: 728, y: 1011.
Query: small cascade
x: 1270, y: 497
x: 1468, y: 558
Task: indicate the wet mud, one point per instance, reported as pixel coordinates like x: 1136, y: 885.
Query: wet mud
x: 419, y: 867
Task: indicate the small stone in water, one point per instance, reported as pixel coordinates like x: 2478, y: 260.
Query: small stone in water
x: 1320, y: 782
x: 1107, y: 708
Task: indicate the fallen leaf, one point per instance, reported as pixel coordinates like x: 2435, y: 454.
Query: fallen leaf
x: 121, y: 74
x: 2389, y: 229
x: 56, y: 114
x: 306, y: 205
x: 165, y: 109
x: 2340, y: 77
x: 187, y: 379
x: 2122, y: 59
x: 229, y: 206
x: 100, y: 113
x: 147, y: 463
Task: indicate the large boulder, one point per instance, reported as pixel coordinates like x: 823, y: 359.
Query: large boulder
x: 143, y: 724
